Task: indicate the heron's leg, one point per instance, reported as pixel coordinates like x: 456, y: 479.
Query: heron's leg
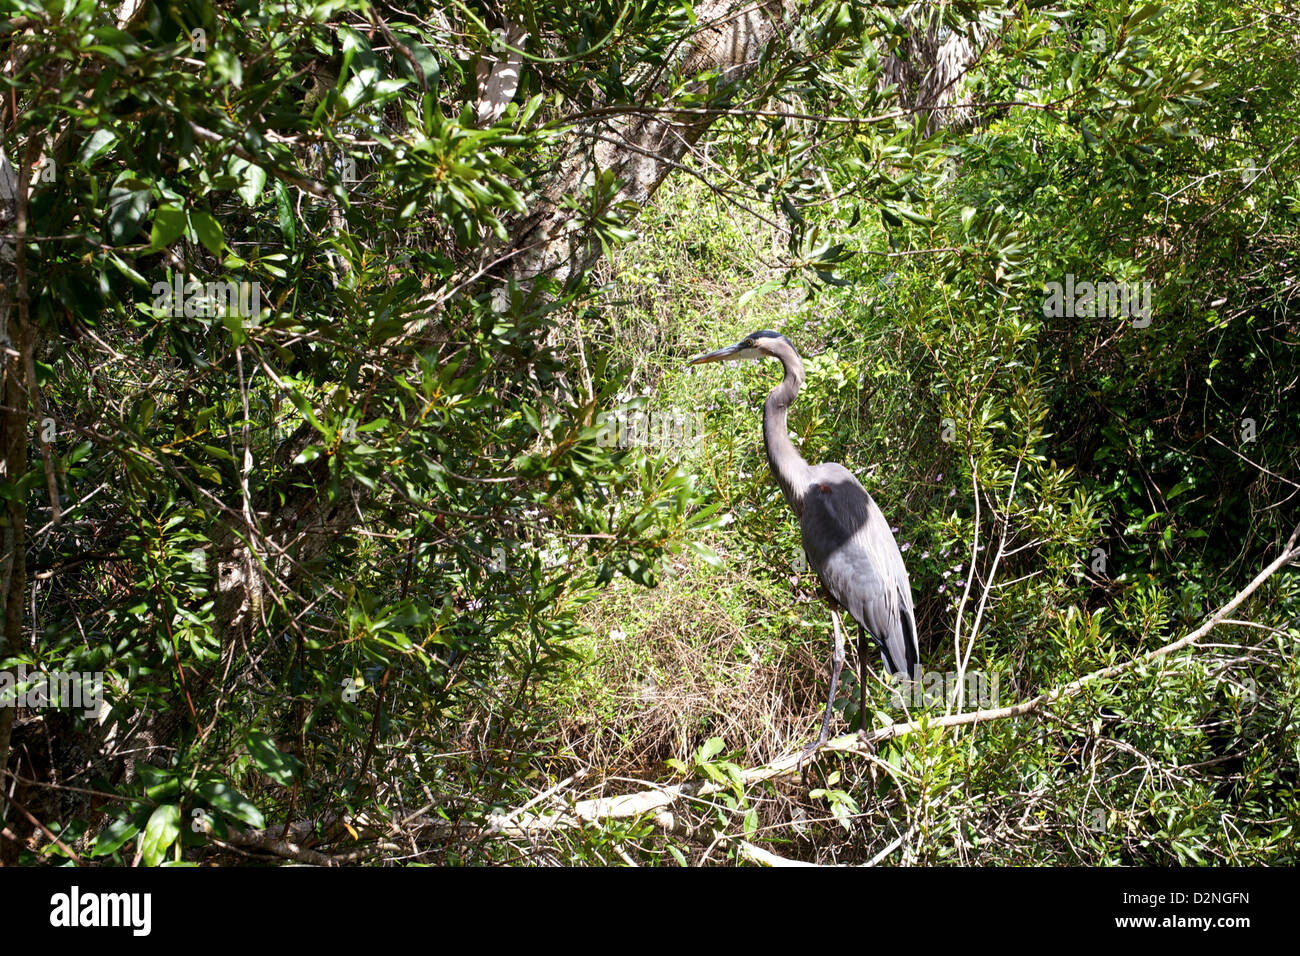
x: 837, y: 663
x: 862, y: 678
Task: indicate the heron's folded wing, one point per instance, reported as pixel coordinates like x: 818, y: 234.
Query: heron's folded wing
x: 850, y: 546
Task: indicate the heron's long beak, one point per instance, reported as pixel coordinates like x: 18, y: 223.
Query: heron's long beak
x: 721, y: 355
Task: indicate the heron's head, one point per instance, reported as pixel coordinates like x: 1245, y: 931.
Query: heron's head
x: 764, y: 344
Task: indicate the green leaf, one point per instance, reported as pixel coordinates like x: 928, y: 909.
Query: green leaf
x: 221, y: 796
x: 253, y: 180
x: 208, y: 231
x: 160, y: 832
x: 284, y: 212
x: 279, y: 766
x: 168, y: 226
x: 226, y: 66
x: 99, y: 143
x: 705, y: 553
x: 760, y: 289
x: 217, y: 452
x: 127, y: 209
x: 122, y: 267
x: 1144, y: 12
x: 113, y: 836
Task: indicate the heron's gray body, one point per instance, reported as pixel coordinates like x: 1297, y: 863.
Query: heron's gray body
x: 846, y: 538
x: 850, y: 546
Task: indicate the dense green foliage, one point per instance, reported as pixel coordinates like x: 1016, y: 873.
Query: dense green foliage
x: 508, y: 545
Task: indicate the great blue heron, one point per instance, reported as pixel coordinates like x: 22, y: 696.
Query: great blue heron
x: 846, y: 538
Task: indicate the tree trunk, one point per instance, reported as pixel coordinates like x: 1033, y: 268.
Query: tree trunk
x: 931, y: 66
x: 13, y: 466
x: 640, y: 147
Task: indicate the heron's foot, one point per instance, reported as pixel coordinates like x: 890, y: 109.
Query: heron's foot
x: 812, y: 748
x: 868, y: 740
x: 805, y: 763
x: 805, y: 759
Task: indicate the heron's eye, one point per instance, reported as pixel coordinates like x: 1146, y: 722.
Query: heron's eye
x: 747, y: 344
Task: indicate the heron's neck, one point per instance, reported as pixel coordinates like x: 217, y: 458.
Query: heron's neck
x: 788, y: 466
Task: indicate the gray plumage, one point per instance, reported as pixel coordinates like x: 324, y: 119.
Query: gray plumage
x: 846, y: 538
x: 850, y: 546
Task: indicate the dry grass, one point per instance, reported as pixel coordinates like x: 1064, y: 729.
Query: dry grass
x: 686, y: 672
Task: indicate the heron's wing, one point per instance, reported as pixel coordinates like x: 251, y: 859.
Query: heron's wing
x: 850, y: 546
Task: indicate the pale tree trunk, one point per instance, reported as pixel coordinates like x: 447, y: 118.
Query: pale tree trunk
x: 13, y: 567
x: 931, y: 68
x: 13, y: 465
x: 642, y: 148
